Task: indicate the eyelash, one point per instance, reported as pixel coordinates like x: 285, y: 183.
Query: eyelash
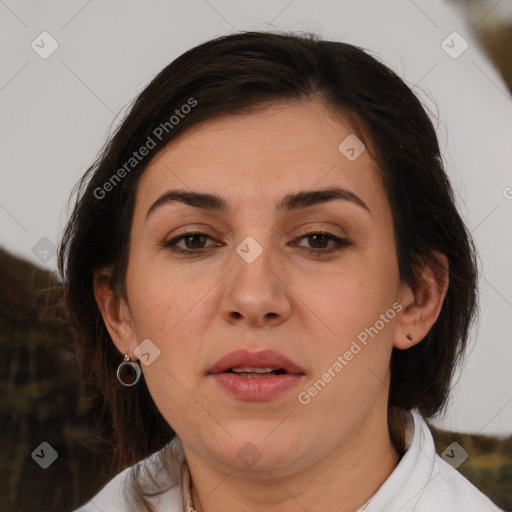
x: 340, y: 243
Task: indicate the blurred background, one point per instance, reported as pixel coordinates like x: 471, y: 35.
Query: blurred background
x: 68, y: 71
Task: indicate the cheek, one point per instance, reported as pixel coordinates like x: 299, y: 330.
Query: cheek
x: 355, y: 306
x: 174, y: 308
x: 357, y: 320
x: 167, y: 310
x: 354, y: 297
x: 162, y: 297
x: 355, y: 335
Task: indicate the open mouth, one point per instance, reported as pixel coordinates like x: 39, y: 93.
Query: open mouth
x: 255, y: 376
x: 251, y: 372
x: 263, y: 363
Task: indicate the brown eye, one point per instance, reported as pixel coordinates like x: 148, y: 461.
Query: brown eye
x: 318, y: 243
x: 193, y: 242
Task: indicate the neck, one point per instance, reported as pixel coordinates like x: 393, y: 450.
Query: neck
x: 344, y: 480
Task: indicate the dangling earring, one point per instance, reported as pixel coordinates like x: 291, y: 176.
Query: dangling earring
x: 128, y: 372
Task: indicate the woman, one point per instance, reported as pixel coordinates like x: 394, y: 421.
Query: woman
x: 271, y: 286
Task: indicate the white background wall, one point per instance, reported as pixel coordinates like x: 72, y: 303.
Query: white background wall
x: 55, y: 114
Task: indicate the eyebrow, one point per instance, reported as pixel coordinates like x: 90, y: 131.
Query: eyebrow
x: 290, y: 202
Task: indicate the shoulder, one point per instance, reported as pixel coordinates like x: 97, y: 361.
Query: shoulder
x: 424, y: 482
x: 454, y: 491
x: 444, y: 487
x: 111, y: 497
x: 115, y: 495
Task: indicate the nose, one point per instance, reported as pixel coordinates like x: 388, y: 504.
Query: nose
x: 256, y: 292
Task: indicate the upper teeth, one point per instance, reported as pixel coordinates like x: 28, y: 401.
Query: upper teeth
x: 250, y: 369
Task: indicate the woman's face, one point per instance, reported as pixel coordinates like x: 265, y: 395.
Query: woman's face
x: 255, y: 280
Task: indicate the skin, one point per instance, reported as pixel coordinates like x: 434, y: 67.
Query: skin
x: 334, y: 452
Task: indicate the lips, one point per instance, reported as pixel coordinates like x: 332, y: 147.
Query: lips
x: 265, y: 363
x: 255, y: 376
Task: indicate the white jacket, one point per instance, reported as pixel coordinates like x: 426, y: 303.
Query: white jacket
x: 421, y: 482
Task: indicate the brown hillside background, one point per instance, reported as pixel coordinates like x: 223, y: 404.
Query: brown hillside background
x: 492, y: 31
x: 40, y: 401
x: 40, y: 398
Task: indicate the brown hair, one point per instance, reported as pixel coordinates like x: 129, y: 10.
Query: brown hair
x: 239, y: 73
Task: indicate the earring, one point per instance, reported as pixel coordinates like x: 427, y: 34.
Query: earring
x: 409, y: 337
x: 128, y: 372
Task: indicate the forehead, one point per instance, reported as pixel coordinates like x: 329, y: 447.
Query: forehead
x: 262, y: 156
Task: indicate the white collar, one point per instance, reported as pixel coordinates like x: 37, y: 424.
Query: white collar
x: 421, y: 482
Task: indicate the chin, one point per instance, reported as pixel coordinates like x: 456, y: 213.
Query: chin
x: 259, y: 453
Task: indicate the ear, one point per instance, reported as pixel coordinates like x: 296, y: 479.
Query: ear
x: 422, y: 306
x: 115, y: 313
